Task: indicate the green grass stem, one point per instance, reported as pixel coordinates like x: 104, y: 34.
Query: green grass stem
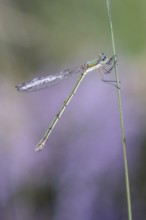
x: 108, y: 2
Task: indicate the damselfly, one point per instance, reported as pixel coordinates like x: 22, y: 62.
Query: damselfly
x: 49, y: 80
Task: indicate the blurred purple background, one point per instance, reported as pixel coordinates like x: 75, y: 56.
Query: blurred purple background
x: 80, y: 173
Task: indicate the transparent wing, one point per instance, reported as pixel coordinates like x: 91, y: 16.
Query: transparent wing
x: 47, y: 81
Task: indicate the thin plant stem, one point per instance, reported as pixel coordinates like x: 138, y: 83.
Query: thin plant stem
x: 121, y: 115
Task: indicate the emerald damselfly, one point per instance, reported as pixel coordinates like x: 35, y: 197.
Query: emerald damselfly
x: 49, y: 80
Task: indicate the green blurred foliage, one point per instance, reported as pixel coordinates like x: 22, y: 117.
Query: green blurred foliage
x: 35, y: 33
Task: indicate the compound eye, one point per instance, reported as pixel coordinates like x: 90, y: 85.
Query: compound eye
x: 102, y: 56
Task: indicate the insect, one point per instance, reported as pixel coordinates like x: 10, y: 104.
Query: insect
x: 49, y: 80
